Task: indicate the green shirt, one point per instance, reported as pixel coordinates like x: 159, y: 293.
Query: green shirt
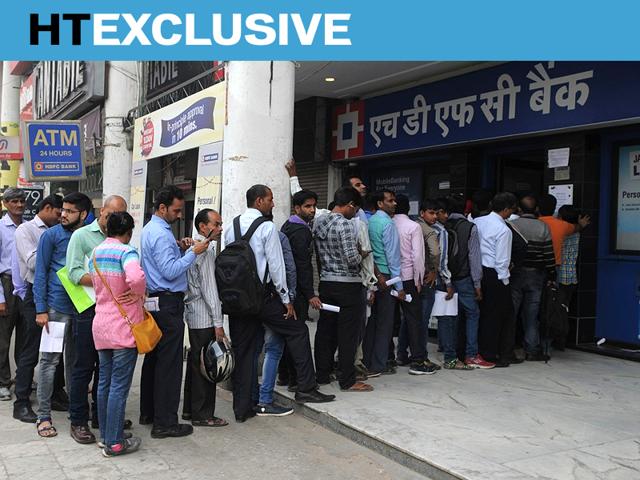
x: 82, y: 243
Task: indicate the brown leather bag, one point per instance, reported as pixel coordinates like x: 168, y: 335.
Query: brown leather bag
x: 147, y: 334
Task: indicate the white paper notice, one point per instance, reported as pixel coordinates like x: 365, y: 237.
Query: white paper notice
x: 558, y: 157
x: 563, y: 193
x: 330, y: 308
x: 442, y: 307
x: 393, y: 280
x: 54, y: 339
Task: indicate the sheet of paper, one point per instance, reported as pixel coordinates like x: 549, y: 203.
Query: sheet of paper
x: 443, y: 307
x: 81, y: 296
x: 53, y: 341
x: 330, y: 308
x: 393, y: 280
x: 152, y: 304
x: 563, y: 193
x: 558, y: 157
x: 408, y: 298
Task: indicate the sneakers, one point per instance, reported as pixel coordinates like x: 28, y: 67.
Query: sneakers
x: 5, y: 394
x: 128, y: 445
x: 422, y: 368
x: 479, y: 362
x: 271, y: 410
x: 125, y: 436
x: 456, y: 365
x: 432, y: 364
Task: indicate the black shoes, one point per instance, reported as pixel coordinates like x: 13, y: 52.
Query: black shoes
x: 244, y: 418
x: 314, y: 396
x: 537, y: 357
x: 25, y: 414
x: 128, y: 424
x: 174, y: 431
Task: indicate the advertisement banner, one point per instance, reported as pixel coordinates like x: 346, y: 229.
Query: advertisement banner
x: 137, y: 199
x: 194, y: 121
x: 209, y: 181
x: 627, y: 231
x: 54, y: 150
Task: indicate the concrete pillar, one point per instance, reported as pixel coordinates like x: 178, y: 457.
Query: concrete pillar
x: 258, y: 136
x: 10, y: 122
x: 122, y: 84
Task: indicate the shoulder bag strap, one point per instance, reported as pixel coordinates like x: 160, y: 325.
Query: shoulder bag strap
x: 254, y: 226
x: 106, y: 285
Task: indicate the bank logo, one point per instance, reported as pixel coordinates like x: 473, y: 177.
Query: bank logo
x: 347, y: 139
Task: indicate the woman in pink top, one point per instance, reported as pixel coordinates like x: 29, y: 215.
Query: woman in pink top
x: 118, y: 274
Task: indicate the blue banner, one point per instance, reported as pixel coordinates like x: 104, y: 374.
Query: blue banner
x: 53, y: 150
x: 319, y: 30
x: 506, y: 100
x: 197, y: 117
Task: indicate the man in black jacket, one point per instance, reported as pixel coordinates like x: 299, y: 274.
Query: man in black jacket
x: 298, y: 230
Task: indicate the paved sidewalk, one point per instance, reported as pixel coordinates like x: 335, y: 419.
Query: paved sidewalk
x: 577, y: 417
x: 284, y: 448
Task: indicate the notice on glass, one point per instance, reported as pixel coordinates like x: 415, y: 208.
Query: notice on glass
x: 558, y: 157
x: 53, y: 340
x: 563, y: 193
x: 627, y: 227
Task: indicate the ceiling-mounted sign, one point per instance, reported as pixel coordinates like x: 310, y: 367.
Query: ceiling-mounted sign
x: 193, y: 121
x: 54, y: 150
x: 164, y: 75
x: 67, y: 89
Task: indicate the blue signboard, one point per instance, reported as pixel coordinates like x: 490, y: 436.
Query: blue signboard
x: 514, y: 98
x: 53, y: 150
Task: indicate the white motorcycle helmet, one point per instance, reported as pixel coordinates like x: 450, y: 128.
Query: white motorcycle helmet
x: 217, y: 361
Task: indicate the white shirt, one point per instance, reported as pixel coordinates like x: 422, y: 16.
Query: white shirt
x: 202, y: 307
x: 495, y: 244
x: 27, y: 237
x: 266, y: 247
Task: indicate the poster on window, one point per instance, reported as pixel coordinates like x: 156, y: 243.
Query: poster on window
x: 627, y: 233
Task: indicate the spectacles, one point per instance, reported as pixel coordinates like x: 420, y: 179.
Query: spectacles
x: 68, y: 210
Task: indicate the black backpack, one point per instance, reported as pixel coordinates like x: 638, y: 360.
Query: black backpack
x: 240, y: 288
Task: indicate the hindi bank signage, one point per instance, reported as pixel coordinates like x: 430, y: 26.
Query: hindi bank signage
x: 511, y: 99
x: 193, y: 121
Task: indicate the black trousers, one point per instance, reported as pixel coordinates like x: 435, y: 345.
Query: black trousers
x: 286, y: 367
x: 199, y: 393
x: 339, y: 329
x: 496, y: 335
x: 8, y: 323
x: 379, y: 331
x: 412, y: 312
x: 28, y: 357
x: 162, y: 368
x: 243, y: 332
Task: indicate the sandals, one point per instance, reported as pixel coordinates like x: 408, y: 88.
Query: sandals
x: 359, y: 387
x: 44, y: 430
x: 210, y: 422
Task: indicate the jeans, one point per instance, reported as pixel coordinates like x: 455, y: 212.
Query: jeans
x: 48, y: 363
x: 467, y: 303
x: 84, y: 365
x: 116, y: 373
x: 526, y: 292
x: 273, y: 347
x: 448, y: 336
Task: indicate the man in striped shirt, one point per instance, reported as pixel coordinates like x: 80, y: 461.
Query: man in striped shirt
x: 528, y: 280
x: 203, y: 314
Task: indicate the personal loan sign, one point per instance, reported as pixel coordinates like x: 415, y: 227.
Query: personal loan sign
x: 193, y: 121
x: 511, y: 99
x: 53, y: 150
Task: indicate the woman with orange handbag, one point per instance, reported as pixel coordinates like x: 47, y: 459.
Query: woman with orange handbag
x: 120, y: 285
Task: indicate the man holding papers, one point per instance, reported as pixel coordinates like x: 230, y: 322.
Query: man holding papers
x: 85, y: 362
x: 51, y: 299
x: 341, y: 286
x: 27, y: 236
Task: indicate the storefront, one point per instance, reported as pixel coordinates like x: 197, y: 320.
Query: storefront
x: 521, y: 127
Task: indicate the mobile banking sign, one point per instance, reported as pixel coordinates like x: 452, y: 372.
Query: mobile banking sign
x: 53, y: 150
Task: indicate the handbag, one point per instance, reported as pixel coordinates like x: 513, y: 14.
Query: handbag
x: 147, y: 334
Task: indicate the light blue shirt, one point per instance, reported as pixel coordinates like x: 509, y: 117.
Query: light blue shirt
x: 7, y: 241
x: 19, y: 285
x: 391, y: 246
x: 162, y: 261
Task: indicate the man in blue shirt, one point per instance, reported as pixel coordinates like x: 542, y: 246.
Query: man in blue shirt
x: 385, y: 244
x: 51, y: 300
x: 165, y: 265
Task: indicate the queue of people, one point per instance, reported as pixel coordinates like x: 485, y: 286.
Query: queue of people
x: 381, y: 274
